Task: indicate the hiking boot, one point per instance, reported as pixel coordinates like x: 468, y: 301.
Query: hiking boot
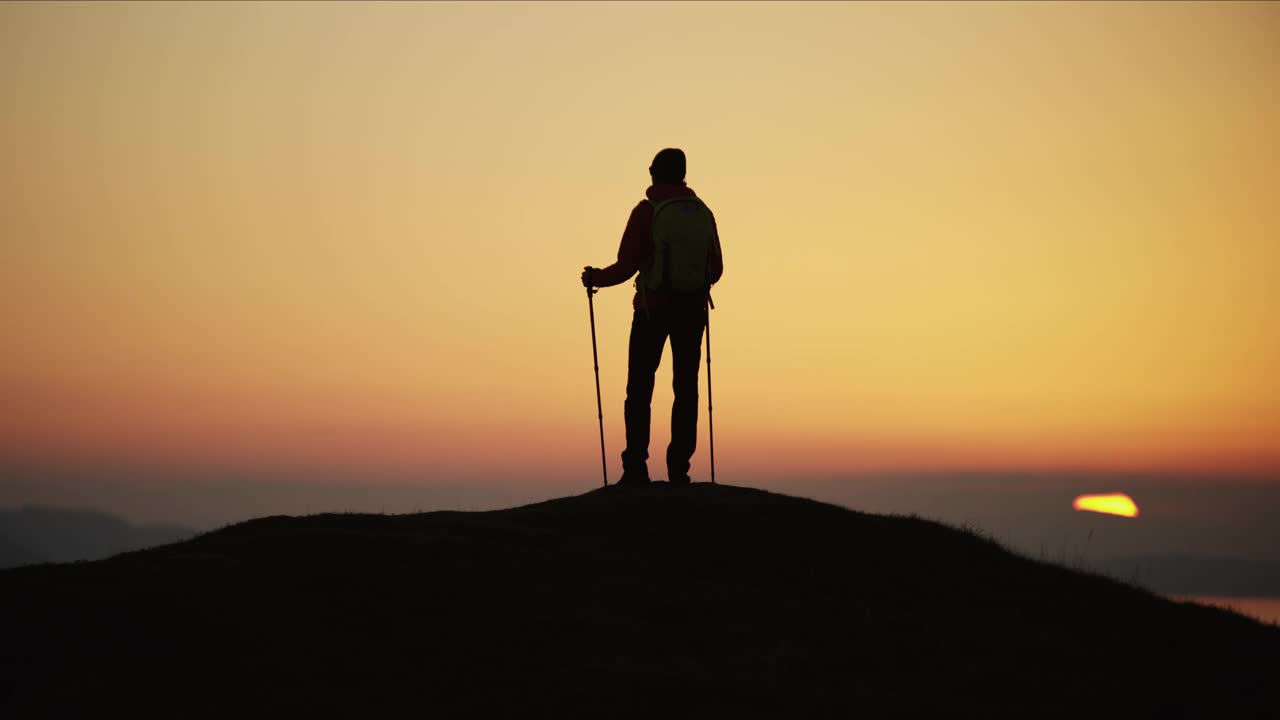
x: 680, y: 480
x: 633, y: 477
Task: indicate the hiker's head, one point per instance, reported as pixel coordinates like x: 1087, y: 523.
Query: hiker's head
x: 668, y: 166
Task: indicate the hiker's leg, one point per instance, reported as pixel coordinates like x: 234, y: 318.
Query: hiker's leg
x: 643, y: 355
x: 686, y: 354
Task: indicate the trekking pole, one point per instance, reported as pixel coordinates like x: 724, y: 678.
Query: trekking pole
x: 711, y: 426
x: 595, y: 360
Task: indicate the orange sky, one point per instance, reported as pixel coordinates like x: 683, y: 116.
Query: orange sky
x: 956, y: 236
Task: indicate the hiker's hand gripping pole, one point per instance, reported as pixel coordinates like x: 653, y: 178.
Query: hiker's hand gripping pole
x: 595, y: 361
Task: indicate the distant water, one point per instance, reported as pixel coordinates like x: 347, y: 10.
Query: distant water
x: 1266, y: 609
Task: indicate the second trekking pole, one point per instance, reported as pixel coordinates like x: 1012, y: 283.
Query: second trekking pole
x: 595, y: 360
x: 711, y: 427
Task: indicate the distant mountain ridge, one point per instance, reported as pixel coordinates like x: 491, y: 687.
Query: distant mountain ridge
x: 622, y: 602
x: 44, y: 534
x: 14, y: 555
x: 1182, y: 574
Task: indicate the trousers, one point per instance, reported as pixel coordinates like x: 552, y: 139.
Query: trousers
x: 683, y: 321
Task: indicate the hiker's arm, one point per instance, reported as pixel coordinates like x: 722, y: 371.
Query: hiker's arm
x: 631, y: 251
x: 715, y: 263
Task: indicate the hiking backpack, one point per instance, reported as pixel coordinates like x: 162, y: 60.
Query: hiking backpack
x: 683, y: 233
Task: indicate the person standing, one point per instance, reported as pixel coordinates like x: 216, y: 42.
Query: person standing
x: 672, y: 242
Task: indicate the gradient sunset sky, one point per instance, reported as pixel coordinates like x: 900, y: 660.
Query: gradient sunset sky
x: 956, y: 236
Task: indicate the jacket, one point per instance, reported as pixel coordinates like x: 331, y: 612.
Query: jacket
x: 636, y: 248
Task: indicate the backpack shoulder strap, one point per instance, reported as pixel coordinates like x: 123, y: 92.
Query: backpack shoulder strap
x: 672, y: 201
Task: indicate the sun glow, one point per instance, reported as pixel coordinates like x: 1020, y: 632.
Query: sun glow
x: 1109, y: 504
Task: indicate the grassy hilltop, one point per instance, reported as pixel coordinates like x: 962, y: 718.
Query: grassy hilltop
x: 688, y: 600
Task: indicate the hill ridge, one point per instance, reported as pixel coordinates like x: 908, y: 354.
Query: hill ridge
x: 715, y: 599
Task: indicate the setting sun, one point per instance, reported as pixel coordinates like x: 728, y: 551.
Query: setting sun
x: 1109, y: 504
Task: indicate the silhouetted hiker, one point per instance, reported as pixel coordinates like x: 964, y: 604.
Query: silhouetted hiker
x: 671, y: 240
